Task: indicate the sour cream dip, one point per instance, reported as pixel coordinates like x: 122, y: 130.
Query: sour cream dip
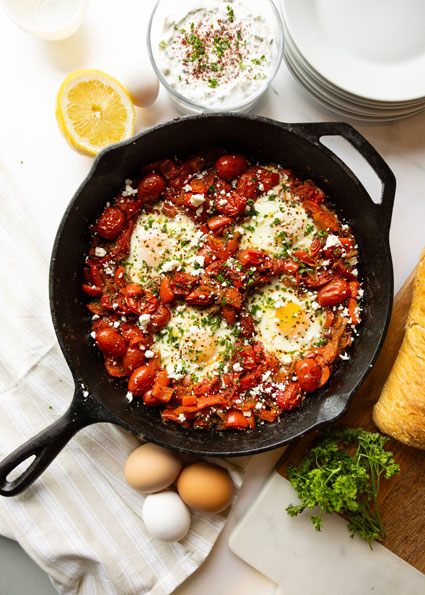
x: 218, y: 53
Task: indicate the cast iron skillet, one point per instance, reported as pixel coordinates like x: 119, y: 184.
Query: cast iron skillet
x: 295, y: 146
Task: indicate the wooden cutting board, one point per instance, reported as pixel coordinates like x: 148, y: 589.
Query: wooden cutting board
x: 402, y: 498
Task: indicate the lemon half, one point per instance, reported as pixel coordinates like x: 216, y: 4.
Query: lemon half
x: 94, y: 110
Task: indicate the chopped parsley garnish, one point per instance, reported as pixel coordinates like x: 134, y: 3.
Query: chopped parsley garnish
x: 162, y: 44
x: 196, y: 43
x: 212, y: 83
x: 309, y: 229
x: 230, y: 14
x: 220, y: 45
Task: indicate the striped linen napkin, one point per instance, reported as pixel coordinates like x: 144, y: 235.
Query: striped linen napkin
x: 80, y: 522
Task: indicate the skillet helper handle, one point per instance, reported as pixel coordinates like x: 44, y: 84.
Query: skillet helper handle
x: 315, y: 130
x: 46, y: 445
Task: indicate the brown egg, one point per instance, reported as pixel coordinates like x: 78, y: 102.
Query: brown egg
x: 205, y: 487
x: 151, y: 468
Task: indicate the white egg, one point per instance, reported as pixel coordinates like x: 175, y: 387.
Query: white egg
x: 160, y: 244
x: 280, y: 223
x: 133, y: 69
x: 284, y: 322
x: 195, y: 341
x: 166, y: 516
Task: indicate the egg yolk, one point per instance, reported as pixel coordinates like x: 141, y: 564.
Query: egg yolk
x: 291, y: 320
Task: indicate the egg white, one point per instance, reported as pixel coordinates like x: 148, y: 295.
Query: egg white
x: 195, y: 342
x: 161, y: 244
x: 285, y: 323
x: 279, y: 225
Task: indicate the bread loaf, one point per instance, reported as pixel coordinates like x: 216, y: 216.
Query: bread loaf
x: 400, y: 410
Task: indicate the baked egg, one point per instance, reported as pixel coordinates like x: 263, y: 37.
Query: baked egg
x: 160, y: 244
x: 286, y: 323
x: 195, y: 341
x: 279, y: 225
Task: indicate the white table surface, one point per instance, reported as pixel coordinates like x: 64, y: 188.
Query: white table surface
x: 47, y: 172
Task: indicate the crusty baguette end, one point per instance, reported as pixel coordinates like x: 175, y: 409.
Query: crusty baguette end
x: 400, y: 410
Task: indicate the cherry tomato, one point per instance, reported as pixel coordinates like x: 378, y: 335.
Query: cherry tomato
x: 159, y: 318
x: 231, y: 166
x: 230, y: 205
x: 236, y: 420
x: 110, y: 341
x: 229, y: 315
x: 353, y: 311
x: 141, y: 380
x: 165, y: 292
x: 92, y: 290
x: 113, y: 367
x: 110, y: 223
x: 132, y: 334
x: 251, y: 257
x: 290, y: 397
x: 333, y: 293
x: 149, y: 399
x: 232, y: 298
x: 308, y: 374
x: 139, y: 300
x: 133, y: 358
x: 150, y: 188
x: 200, y: 296
x: 218, y: 222
x: 309, y: 192
x: 168, y: 169
x: 247, y: 186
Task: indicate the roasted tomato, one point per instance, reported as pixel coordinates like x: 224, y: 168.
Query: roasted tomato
x: 110, y: 223
x: 229, y: 167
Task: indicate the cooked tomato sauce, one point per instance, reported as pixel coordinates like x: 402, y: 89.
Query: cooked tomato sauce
x: 269, y: 290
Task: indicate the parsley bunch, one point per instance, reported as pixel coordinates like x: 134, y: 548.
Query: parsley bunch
x: 342, y: 473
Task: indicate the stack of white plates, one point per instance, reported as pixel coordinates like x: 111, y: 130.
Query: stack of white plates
x: 364, y: 59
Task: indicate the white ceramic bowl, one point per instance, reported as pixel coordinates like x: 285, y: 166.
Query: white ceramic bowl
x: 186, y: 103
x: 47, y: 19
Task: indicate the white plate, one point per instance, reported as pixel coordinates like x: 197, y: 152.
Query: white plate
x: 292, y: 49
x: 371, y: 48
x: 343, y: 102
x: 324, y: 101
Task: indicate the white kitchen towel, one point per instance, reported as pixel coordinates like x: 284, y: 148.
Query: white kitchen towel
x: 80, y: 521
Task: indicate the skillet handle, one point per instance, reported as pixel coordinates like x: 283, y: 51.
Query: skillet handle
x: 48, y: 443
x: 315, y: 130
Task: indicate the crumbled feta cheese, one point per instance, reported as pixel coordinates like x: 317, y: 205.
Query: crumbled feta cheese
x: 95, y: 317
x: 181, y: 417
x: 99, y: 252
x: 116, y: 324
x: 144, y: 320
x: 129, y: 397
x: 315, y: 305
x: 332, y: 241
x: 344, y: 356
x: 237, y: 367
x: 197, y: 199
x: 187, y: 188
x: 93, y: 334
x: 149, y: 354
x: 169, y: 266
x: 286, y: 360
